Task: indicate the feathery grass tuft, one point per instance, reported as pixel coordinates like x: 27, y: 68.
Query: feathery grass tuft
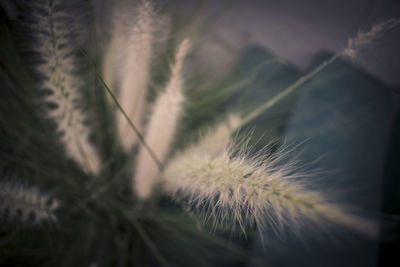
x: 58, y: 67
x: 23, y: 204
x: 368, y: 37
x: 126, y: 66
x: 252, y: 191
x: 162, y: 127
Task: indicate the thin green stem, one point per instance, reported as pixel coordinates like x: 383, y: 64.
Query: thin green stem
x: 149, y: 243
x: 255, y: 113
x: 139, y: 135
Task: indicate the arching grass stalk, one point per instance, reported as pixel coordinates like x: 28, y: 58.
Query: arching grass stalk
x: 362, y: 39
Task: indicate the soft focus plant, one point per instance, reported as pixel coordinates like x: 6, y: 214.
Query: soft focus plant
x: 104, y: 146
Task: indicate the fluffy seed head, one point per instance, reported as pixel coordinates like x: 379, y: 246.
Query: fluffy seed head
x: 57, y: 66
x: 366, y: 38
x: 162, y: 126
x: 253, y: 191
x: 126, y: 66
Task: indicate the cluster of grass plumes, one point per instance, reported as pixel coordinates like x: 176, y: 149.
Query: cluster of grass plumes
x: 100, y: 221
x: 125, y: 216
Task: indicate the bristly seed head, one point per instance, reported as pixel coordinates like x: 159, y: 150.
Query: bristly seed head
x: 54, y: 45
x: 25, y: 204
x: 251, y: 191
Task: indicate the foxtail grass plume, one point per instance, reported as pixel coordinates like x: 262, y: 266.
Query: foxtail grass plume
x: 367, y: 38
x: 24, y: 204
x: 161, y: 128
x: 126, y: 66
x: 58, y: 66
x: 252, y: 191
